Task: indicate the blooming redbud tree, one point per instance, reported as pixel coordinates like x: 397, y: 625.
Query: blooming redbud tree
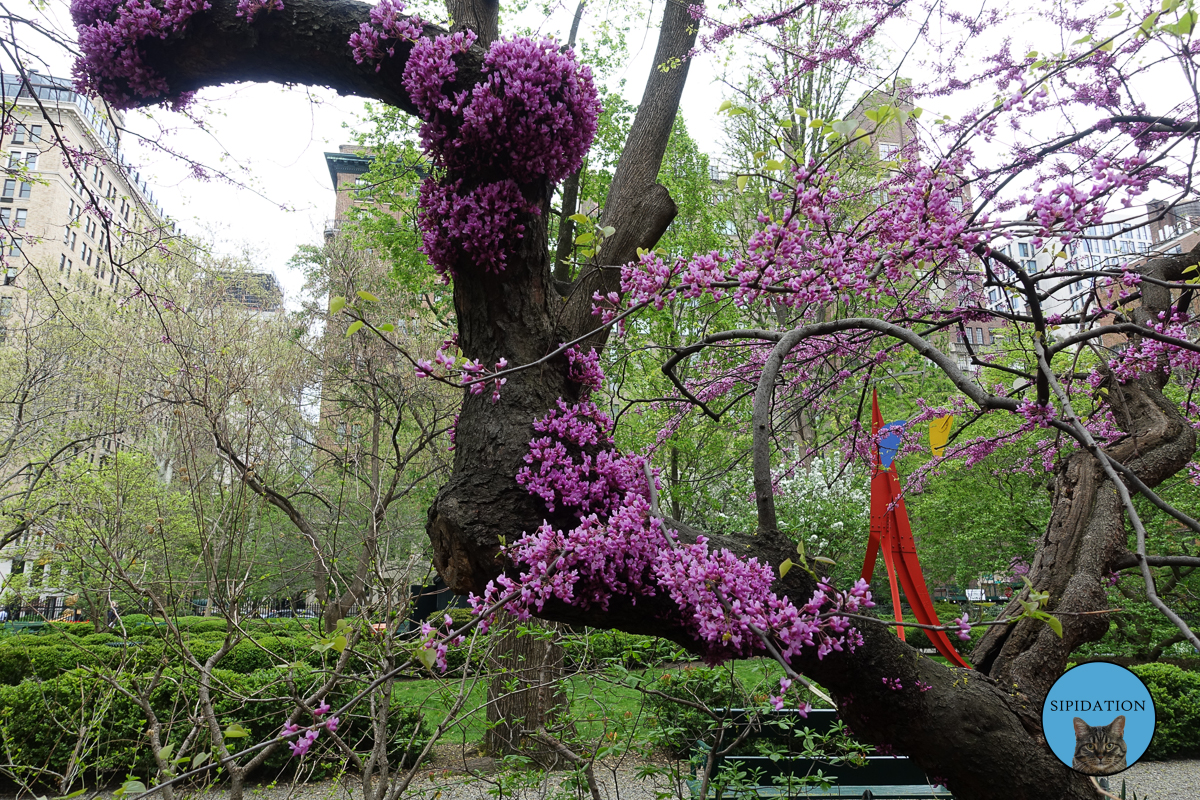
x: 1049, y: 149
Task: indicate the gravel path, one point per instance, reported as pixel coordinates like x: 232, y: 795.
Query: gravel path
x: 1160, y: 780
x: 1152, y: 780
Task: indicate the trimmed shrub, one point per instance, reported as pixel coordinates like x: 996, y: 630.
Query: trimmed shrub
x: 596, y: 648
x: 40, y: 722
x: 100, y: 638
x: 47, y: 663
x: 1176, y: 694
x: 195, y: 625
x: 14, y: 665
x: 247, y: 657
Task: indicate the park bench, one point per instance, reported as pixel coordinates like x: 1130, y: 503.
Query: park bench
x: 781, y: 773
x: 22, y: 626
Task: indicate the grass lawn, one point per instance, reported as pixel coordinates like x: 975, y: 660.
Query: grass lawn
x: 602, y: 706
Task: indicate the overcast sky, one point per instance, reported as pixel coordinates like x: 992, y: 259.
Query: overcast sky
x: 276, y: 137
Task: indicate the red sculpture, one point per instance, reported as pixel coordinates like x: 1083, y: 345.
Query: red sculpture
x: 891, y: 532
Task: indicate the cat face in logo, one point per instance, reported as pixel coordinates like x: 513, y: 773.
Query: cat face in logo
x: 1100, y: 749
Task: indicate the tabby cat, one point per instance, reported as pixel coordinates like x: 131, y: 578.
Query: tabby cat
x: 1100, y: 750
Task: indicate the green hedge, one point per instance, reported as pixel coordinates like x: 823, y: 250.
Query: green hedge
x: 1176, y: 694
x: 39, y: 722
x: 47, y: 656
x: 597, y: 648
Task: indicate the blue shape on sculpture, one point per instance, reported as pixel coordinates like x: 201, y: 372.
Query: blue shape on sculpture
x: 890, y: 443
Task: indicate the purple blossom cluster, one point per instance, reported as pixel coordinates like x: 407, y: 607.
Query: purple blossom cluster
x: 250, y: 8
x: 529, y: 121
x: 378, y: 38
x: 620, y: 549
x: 798, y: 260
x: 306, y: 740
x: 111, y: 62
x: 964, y: 627
x: 585, y: 368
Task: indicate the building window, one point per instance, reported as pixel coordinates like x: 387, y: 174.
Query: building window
x: 22, y: 133
x: 1024, y: 249
x: 62, y: 262
x: 6, y: 304
x: 22, y: 216
x: 31, y: 160
x: 5, y: 217
x: 26, y: 190
x: 10, y: 189
x: 68, y: 267
x: 74, y: 239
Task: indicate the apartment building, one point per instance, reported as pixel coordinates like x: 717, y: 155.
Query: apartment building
x: 70, y: 204
x: 1104, y: 246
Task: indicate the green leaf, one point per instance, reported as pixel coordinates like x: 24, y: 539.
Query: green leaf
x: 370, y: 298
x: 737, y: 111
x: 199, y: 759
x: 786, y: 124
x: 1184, y: 27
x: 354, y: 326
x: 427, y: 656
x: 387, y: 326
x: 802, y: 112
x: 608, y: 230
x: 1170, y: 5
x: 236, y: 731
x: 844, y: 126
x: 1032, y: 54
x: 585, y: 238
x: 772, y: 165
x: 165, y: 753
x: 130, y: 787
x: 1107, y: 46
x: 785, y: 567
x: 728, y: 104
x: 759, y: 155
x: 1087, y: 37
x: 582, y: 219
x: 825, y: 560
x: 336, y: 305
x: 741, y: 182
x: 1055, y: 624
x: 340, y: 643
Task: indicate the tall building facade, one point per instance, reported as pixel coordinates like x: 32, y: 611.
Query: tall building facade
x: 67, y: 191
x: 70, y: 205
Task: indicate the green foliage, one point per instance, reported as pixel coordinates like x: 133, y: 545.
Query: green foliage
x: 597, y: 648
x: 39, y: 722
x: 1176, y: 694
x: 679, y: 725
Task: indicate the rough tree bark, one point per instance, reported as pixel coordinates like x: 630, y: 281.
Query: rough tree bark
x: 972, y: 729
x: 525, y: 689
